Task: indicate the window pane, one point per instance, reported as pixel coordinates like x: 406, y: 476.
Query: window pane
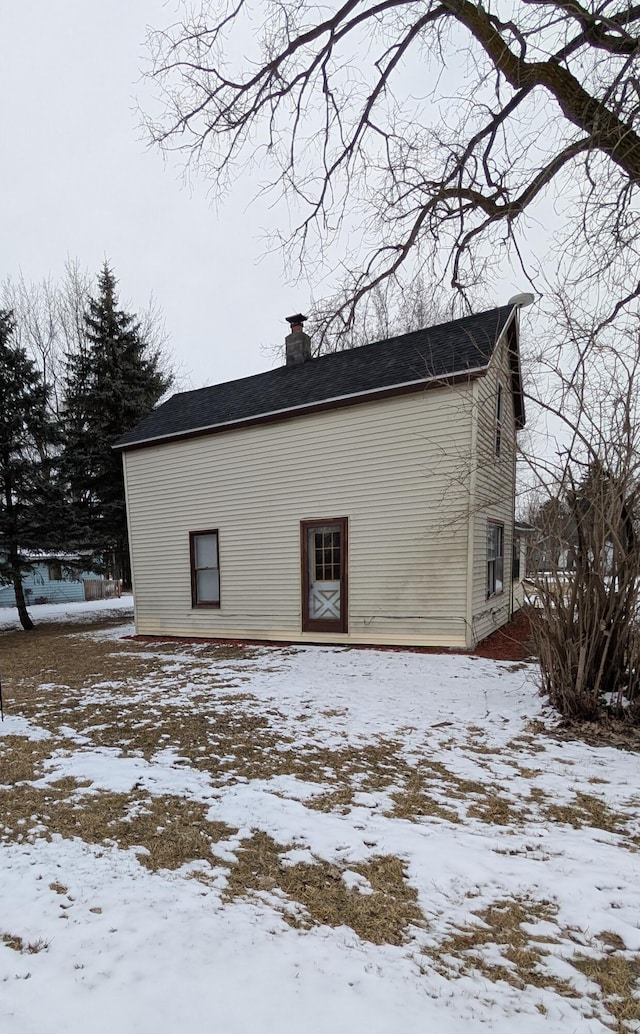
x: 499, y: 408
x: 499, y: 579
x: 206, y: 550
x: 495, y: 558
x: 208, y: 586
x: 491, y: 542
x: 324, y: 555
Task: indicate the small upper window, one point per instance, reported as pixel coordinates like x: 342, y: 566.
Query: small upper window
x: 499, y: 416
x: 495, y: 558
x: 55, y: 571
x: 205, y: 570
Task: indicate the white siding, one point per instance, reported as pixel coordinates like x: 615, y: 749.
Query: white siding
x: 494, y: 494
x: 398, y: 469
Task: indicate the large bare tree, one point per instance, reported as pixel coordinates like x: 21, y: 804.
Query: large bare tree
x: 49, y: 322
x: 432, y: 133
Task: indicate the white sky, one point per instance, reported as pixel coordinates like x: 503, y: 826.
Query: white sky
x: 78, y: 181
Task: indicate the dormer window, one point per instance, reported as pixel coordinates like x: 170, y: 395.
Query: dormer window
x: 499, y: 416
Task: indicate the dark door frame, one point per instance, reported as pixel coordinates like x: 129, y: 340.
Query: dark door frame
x: 310, y: 624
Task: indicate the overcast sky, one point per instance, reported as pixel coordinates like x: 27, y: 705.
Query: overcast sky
x: 78, y: 181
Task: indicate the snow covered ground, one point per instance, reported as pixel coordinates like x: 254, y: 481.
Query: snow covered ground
x: 388, y: 841
x: 66, y: 612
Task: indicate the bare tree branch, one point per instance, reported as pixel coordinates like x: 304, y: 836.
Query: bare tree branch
x: 393, y: 168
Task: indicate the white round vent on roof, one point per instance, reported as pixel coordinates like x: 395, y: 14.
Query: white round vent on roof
x: 521, y: 300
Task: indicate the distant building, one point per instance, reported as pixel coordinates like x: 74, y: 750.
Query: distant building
x: 57, y: 577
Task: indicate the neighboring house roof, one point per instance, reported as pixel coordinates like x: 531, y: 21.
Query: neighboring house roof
x: 523, y: 528
x: 44, y: 555
x: 38, y: 554
x: 460, y: 348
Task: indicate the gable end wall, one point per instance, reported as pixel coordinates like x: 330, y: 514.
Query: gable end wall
x: 494, y: 494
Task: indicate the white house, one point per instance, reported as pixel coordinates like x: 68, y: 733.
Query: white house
x: 361, y: 497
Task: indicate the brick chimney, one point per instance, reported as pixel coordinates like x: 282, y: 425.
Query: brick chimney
x: 297, y: 343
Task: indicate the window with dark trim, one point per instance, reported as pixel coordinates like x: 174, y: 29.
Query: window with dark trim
x: 499, y: 419
x: 495, y: 558
x: 205, y: 569
x: 515, y: 563
x: 55, y: 570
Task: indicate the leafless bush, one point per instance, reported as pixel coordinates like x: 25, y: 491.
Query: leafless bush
x: 587, y: 615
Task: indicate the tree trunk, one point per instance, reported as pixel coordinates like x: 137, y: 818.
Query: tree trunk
x: 23, y: 614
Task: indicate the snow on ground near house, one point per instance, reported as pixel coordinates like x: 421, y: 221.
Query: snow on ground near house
x: 65, y: 611
x: 518, y: 852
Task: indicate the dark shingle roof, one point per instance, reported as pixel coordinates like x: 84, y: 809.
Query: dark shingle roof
x: 437, y: 352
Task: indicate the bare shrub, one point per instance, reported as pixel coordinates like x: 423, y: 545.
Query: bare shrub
x: 587, y: 616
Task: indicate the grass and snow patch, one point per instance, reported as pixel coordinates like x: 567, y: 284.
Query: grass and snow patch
x: 345, y: 840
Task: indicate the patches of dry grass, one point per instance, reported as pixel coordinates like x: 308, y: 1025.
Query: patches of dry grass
x: 340, y: 800
x: 24, y: 947
x: 476, y: 742
x: 586, y: 810
x: 414, y: 801
x: 383, y: 916
x: 455, y: 785
x: 424, y: 790
x: 526, y: 743
x: 170, y: 831
x: 501, y: 925
x: 497, y: 810
x: 47, y: 671
x: 618, y: 977
x: 199, y: 649
x: 612, y: 940
x: 418, y: 792
x: 22, y: 759
x: 224, y: 734
x: 609, y: 732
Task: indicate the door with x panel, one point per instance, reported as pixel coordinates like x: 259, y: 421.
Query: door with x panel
x: 324, y: 575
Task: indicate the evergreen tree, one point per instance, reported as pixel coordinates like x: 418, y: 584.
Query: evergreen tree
x: 29, y: 503
x: 113, y: 380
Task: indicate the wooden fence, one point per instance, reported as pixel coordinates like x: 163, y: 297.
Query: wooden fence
x: 102, y: 588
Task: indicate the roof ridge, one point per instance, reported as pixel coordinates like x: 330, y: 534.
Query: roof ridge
x: 455, y: 348
x: 347, y: 351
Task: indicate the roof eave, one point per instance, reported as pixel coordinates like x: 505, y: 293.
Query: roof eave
x: 512, y: 331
